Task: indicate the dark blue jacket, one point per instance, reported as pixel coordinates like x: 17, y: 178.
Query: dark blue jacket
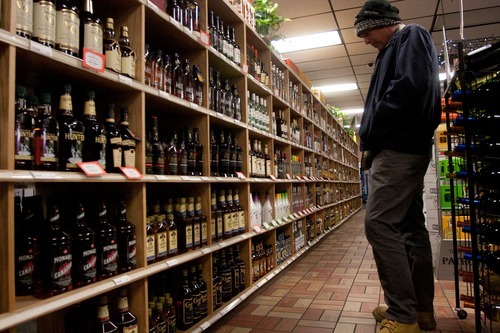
x: 403, y: 108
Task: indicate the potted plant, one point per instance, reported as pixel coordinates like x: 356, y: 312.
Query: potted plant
x: 267, y: 20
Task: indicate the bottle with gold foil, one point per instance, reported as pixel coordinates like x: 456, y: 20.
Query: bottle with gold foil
x: 91, y: 30
x: 94, y: 147
x: 127, y: 54
x: 24, y: 18
x: 44, y: 22
x: 67, y: 27
x: 111, y: 47
x: 71, y: 134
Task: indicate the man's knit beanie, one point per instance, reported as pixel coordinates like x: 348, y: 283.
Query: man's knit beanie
x: 375, y: 14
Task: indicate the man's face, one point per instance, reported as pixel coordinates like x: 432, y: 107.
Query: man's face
x: 378, y: 37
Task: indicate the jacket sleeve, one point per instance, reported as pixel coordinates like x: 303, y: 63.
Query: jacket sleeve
x: 413, y: 73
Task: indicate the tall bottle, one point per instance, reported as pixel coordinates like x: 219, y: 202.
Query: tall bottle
x: 232, y: 155
x: 167, y: 72
x: 182, y: 156
x: 150, y: 240
x: 195, y: 291
x: 128, y: 56
x: 240, y: 210
x: 126, y: 238
x: 104, y: 324
x: 67, y: 27
x: 203, y: 222
x: 44, y: 22
x: 214, y: 155
x: 71, y: 134
x: 94, y: 147
x: 241, y: 264
x: 154, y: 151
x: 125, y: 320
x: 158, y: 72
x: 171, y: 156
x: 177, y: 77
x: 161, y: 241
x: 226, y: 277
x: 235, y: 272
x: 106, y: 245
x: 199, y: 153
x: 203, y: 292
x: 113, y: 142
x: 46, y: 141
x: 185, y: 304
x: 227, y: 215
x: 111, y: 47
x: 84, y: 268
x: 187, y: 82
x: 223, y: 156
x: 191, y: 153
x: 267, y: 209
x: 23, y: 155
x: 53, y: 258
x: 129, y: 140
x: 149, y: 66
x: 216, y: 284
x: 213, y: 217
x: 172, y: 233
x: 171, y: 315
x: 198, y: 81
x: 91, y: 30
x: 24, y: 18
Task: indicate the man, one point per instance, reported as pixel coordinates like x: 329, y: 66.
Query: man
x: 402, y: 110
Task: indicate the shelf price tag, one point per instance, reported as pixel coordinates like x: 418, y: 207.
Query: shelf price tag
x: 288, y: 176
x: 296, y: 215
x: 204, y: 38
x: 172, y: 262
x: 121, y: 280
x: 124, y: 79
x: 241, y: 176
x: 305, y: 178
x: 93, y: 60
x: 245, y: 68
x: 206, y: 250
x: 131, y: 172
x: 205, y: 326
x: 92, y: 169
x: 41, y: 49
x: 161, y: 177
x: 272, y: 177
x: 275, y: 223
x: 163, y: 94
x: 44, y: 175
x: 222, y: 244
x: 257, y: 229
x: 291, y: 217
x: 266, y: 226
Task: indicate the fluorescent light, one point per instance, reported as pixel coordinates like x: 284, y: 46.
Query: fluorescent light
x: 338, y: 87
x: 352, y: 111
x: 307, y: 42
x: 442, y: 76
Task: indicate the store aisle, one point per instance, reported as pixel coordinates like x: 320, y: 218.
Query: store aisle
x: 333, y: 288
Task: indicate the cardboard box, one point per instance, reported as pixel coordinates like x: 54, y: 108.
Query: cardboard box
x: 161, y: 4
x: 442, y: 138
x: 445, y: 195
x: 446, y: 225
x: 319, y: 94
x: 292, y: 66
x: 432, y: 220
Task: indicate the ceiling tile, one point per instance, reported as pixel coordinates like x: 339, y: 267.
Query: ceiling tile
x: 324, y: 63
x: 327, y: 73
x: 308, y: 25
x: 294, y: 8
x: 336, y: 51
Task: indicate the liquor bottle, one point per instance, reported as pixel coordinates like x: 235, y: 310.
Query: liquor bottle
x: 223, y: 156
x: 158, y: 72
x: 128, y: 57
x: 232, y: 155
x: 172, y: 232
x: 44, y: 22
x: 25, y: 124
x: 185, y: 235
x: 212, y: 101
x: 236, y: 48
x: 195, y: 223
x: 214, y: 155
x: 149, y: 66
x: 216, y: 284
x: 94, y: 147
x: 167, y: 72
x: 27, y: 224
x: 125, y: 232
x: 154, y: 151
x: 227, y: 215
x: 53, y: 257
x: 226, y: 277
x: 71, y: 134
x: 104, y: 324
x: 267, y: 162
x: 226, y: 99
x: 111, y: 47
x: 267, y: 209
x: 235, y: 272
x: 152, y: 327
x: 191, y: 153
x: 213, y: 33
x: 196, y: 293
x: 235, y: 102
x: 84, y: 270
x: 241, y: 264
x: 234, y: 212
x: 187, y: 82
x: 213, y: 217
x: 24, y: 18
x: 150, y: 241
x: 177, y: 77
x: 203, y: 292
x: 129, y: 140
x: 199, y: 153
x: 490, y: 258
x: 91, y: 30
x: 218, y: 93
x: 106, y: 245
x: 67, y: 33
x: 222, y: 39
x: 198, y: 81
x: 171, y: 156
x: 170, y: 314
x: 161, y: 240
x: 251, y: 160
x: 113, y: 142
x: 125, y: 320
x: 241, y: 212
x: 185, y: 304
x: 182, y: 156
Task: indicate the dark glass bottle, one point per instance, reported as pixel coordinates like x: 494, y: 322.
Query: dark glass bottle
x: 198, y: 81
x: 152, y: 327
x: 240, y: 212
x: 203, y: 292
x: 106, y: 245
x: 232, y: 155
x: 177, y: 77
x: 224, y: 153
x: 236, y: 49
x: 104, y: 324
x: 239, y: 156
x: 212, y: 96
x: 167, y: 72
x: 185, y: 304
x: 71, y: 134
x: 112, y: 47
x: 124, y: 319
x: 187, y: 82
x: 150, y: 240
x: 191, y: 153
x: 234, y: 212
x: 195, y: 222
x: 203, y: 222
x: 128, y: 57
x: 129, y: 140
x: 227, y: 215
x: 216, y: 284
x: 154, y: 151
x: 171, y: 156
x: 44, y: 22
x: 228, y: 96
x: 218, y: 106
x: 172, y: 232
x: 199, y: 153
x: 125, y: 232
x: 94, y: 147
x: 68, y: 34
x: 226, y: 277
x: 53, y: 258
x: 84, y: 268
x: 213, y: 217
x: 213, y: 30
x: 182, y: 156
x: 235, y: 272
x: 91, y: 30
x: 189, y: 225
x: 196, y: 293
x: 25, y: 125
x: 113, y: 142
x: 161, y: 237
x: 220, y: 219
x: 159, y: 318
x: 241, y: 264
x: 235, y: 102
x: 46, y: 141
x: 171, y: 315
x: 184, y: 234
x: 214, y: 155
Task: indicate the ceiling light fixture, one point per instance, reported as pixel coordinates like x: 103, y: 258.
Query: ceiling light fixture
x: 352, y: 111
x: 442, y: 76
x: 307, y: 42
x: 338, y: 87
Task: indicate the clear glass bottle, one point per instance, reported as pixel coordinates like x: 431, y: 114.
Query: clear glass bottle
x: 112, y: 47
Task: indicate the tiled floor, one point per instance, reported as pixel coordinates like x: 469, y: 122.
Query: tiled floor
x: 332, y: 289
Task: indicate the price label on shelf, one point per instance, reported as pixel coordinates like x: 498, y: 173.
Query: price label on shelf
x: 204, y: 326
x: 172, y: 262
x: 194, y: 105
x: 288, y: 176
x: 206, y: 250
x: 274, y: 223
x: 163, y: 94
x: 272, y: 177
x: 241, y: 175
x: 124, y: 79
x: 222, y: 244
x: 291, y: 217
x: 244, y: 236
x: 41, y: 49
x: 161, y: 177
x: 121, y: 280
x: 296, y: 215
x: 305, y: 178
x: 44, y: 175
x: 131, y: 172
x: 204, y: 38
x: 93, y: 60
x: 92, y: 169
x: 153, y: 6
x: 257, y: 229
x: 245, y: 68
x: 266, y: 226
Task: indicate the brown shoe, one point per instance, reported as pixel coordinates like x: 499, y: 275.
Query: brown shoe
x: 391, y: 326
x: 426, y: 320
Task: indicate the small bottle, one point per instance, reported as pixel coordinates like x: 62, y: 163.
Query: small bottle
x: 104, y: 324
x: 84, y: 268
x: 68, y: 33
x: 158, y: 72
x: 94, y: 147
x: 128, y: 57
x: 106, y: 245
x: 111, y: 47
x: 177, y: 77
x: 44, y: 22
x: 125, y: 320
x: 126, y: 237
x: 24, y: 127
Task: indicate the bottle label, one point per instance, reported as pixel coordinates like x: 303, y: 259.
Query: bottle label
x: 25, y: 267
x: 228, y: 224
x: 89, y: 262
x: 268, y: 168
x: 65, y: 102
x: 113, y: 58
x: 122, y: 304
x: 183, y: 165
x: 220, y: 230
x: 103, y: 312
x: 44, y: 22
x: 227, y: 285
x: 89, y: 108
x: 24, y: 16
x: 117, y: 157
x: 236, y: 279
x: 128, y: 65
x: 129, y: 153
x: 241, y: 220
x: 92, y: 37
x: 110, y: 258
x: 204, y: 232
x: 218, y: 289
x: 203, y: 303
x: 68, y: 30
x: 23, y: 145
x: 61, y: 269
x: 131, y: 329
x: 47, y: 144
x: 132, y: 251
x: 187, y: 311
x: 189, y: 236
x: 172, y: 324
x: 197, y: 234
x: 150, y: 247
x: 74, y: 145
x: 161, y: 243
x: 242, y: 274
x: 172, y: 164
x: 172, y: 241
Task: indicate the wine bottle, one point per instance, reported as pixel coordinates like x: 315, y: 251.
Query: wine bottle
x: 129, y: 140
x: 185, y: 304
x: 24, y: 18
x: 106, y: 245
x: 125, y: 320
x: 46, y: 141
x: 91, y: 30
x: 84, y: 268
x: 113, y: 142
x: 196, y: 293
